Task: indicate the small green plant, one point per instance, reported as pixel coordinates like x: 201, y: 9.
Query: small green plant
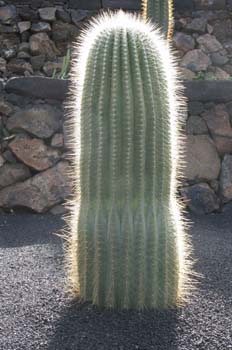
x: 63, y: 74
x: 128, y: 247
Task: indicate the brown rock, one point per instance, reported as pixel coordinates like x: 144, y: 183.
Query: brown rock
x: 202, y: 160
x: 220, y: 74
x: 40, y: 120
x: 57, y: 141
x: 41, y: 44
x: 196, y: 126
x: 183, y: 42
x: 19, y: 66
x: 40, y: 192
x: 197, y: 25
x: 59, y: 210
x: 11, y: 173
x: 195, y: 60
x: 186, y: 74
x: 47, y: 14
x: 218, y: 121
x: 209, y: 43
x: 34, y: 153
x: 64, y: 31
x: 24, y: 26
x: 226, y: 178
x: 50, y: 67
x: 223, y: 144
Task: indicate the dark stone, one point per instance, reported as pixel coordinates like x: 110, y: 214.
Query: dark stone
x: 40, y: 27
x: 38, y: 87
x: 206, y: 91
x: 183, y: 5
x: 210, y: 4
x: 124, y: 4
x: 62, y: 32
x: 195, y: 108
x: 8, y: 13
x: 19, y: 66
x: 78, y: 15
x: 63, y: 16
x: 85, y: 4
x: 201, y: 199
x: 27, y: 14
x: 37, y: 62
x: 11, y: 173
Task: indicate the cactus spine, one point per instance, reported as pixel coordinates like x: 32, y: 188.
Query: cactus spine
x: 160, y: 12
x: 128, y: 247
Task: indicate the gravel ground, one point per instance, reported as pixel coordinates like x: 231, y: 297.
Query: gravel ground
x: 35, y: 313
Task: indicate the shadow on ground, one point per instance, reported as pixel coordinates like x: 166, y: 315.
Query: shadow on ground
x: 18, y: 230
x: 85, y: 327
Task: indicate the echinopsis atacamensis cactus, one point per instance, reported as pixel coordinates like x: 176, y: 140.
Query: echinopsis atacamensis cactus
x: 128, y: 246
x: 159, y: 12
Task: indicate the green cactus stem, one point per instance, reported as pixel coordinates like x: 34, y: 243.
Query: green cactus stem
x: 128, y: 247
x: 159, y: 12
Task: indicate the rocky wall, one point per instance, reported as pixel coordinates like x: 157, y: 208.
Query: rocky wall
x: 35, y: 35
x: 203, y: 38
x: 34, y: 149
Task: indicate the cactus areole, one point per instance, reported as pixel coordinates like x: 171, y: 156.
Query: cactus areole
x: 127, y: 247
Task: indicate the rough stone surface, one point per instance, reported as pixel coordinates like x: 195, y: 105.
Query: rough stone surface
x: 40, y: 120
x: 24, y: 25
x: 196, y: 126
x: 40, y: 43
x: 34, y: 153
x: 64, y: 32
x: 202, y: 158
x: 12, y: 173
x: 209, y: 43
x: 206, y: 91
x: 186, y: 74
x: 226, y: 178
x: 210, y: 4
x: 200, y: 198
x: 7, y: 14
x: 19, y: 66
x: 38, y: 87
x: 57, y: 141
x: 220, y: 74
x: 40, y: 27
x: 40, y: 192
x: 183, y: 42
x: 197, y: 25
x: 218, y: 121
x: 47, y: 14
x: 195, y: 60
x: 6, y: 108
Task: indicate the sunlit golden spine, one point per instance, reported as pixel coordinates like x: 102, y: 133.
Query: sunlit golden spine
x: 160, y: 12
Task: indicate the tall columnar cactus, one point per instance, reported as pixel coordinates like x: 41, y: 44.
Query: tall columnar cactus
x: 160, y: 12
x: 128, y: 243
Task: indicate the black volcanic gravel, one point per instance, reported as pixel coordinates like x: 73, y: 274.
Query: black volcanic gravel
x: 35, y: 313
